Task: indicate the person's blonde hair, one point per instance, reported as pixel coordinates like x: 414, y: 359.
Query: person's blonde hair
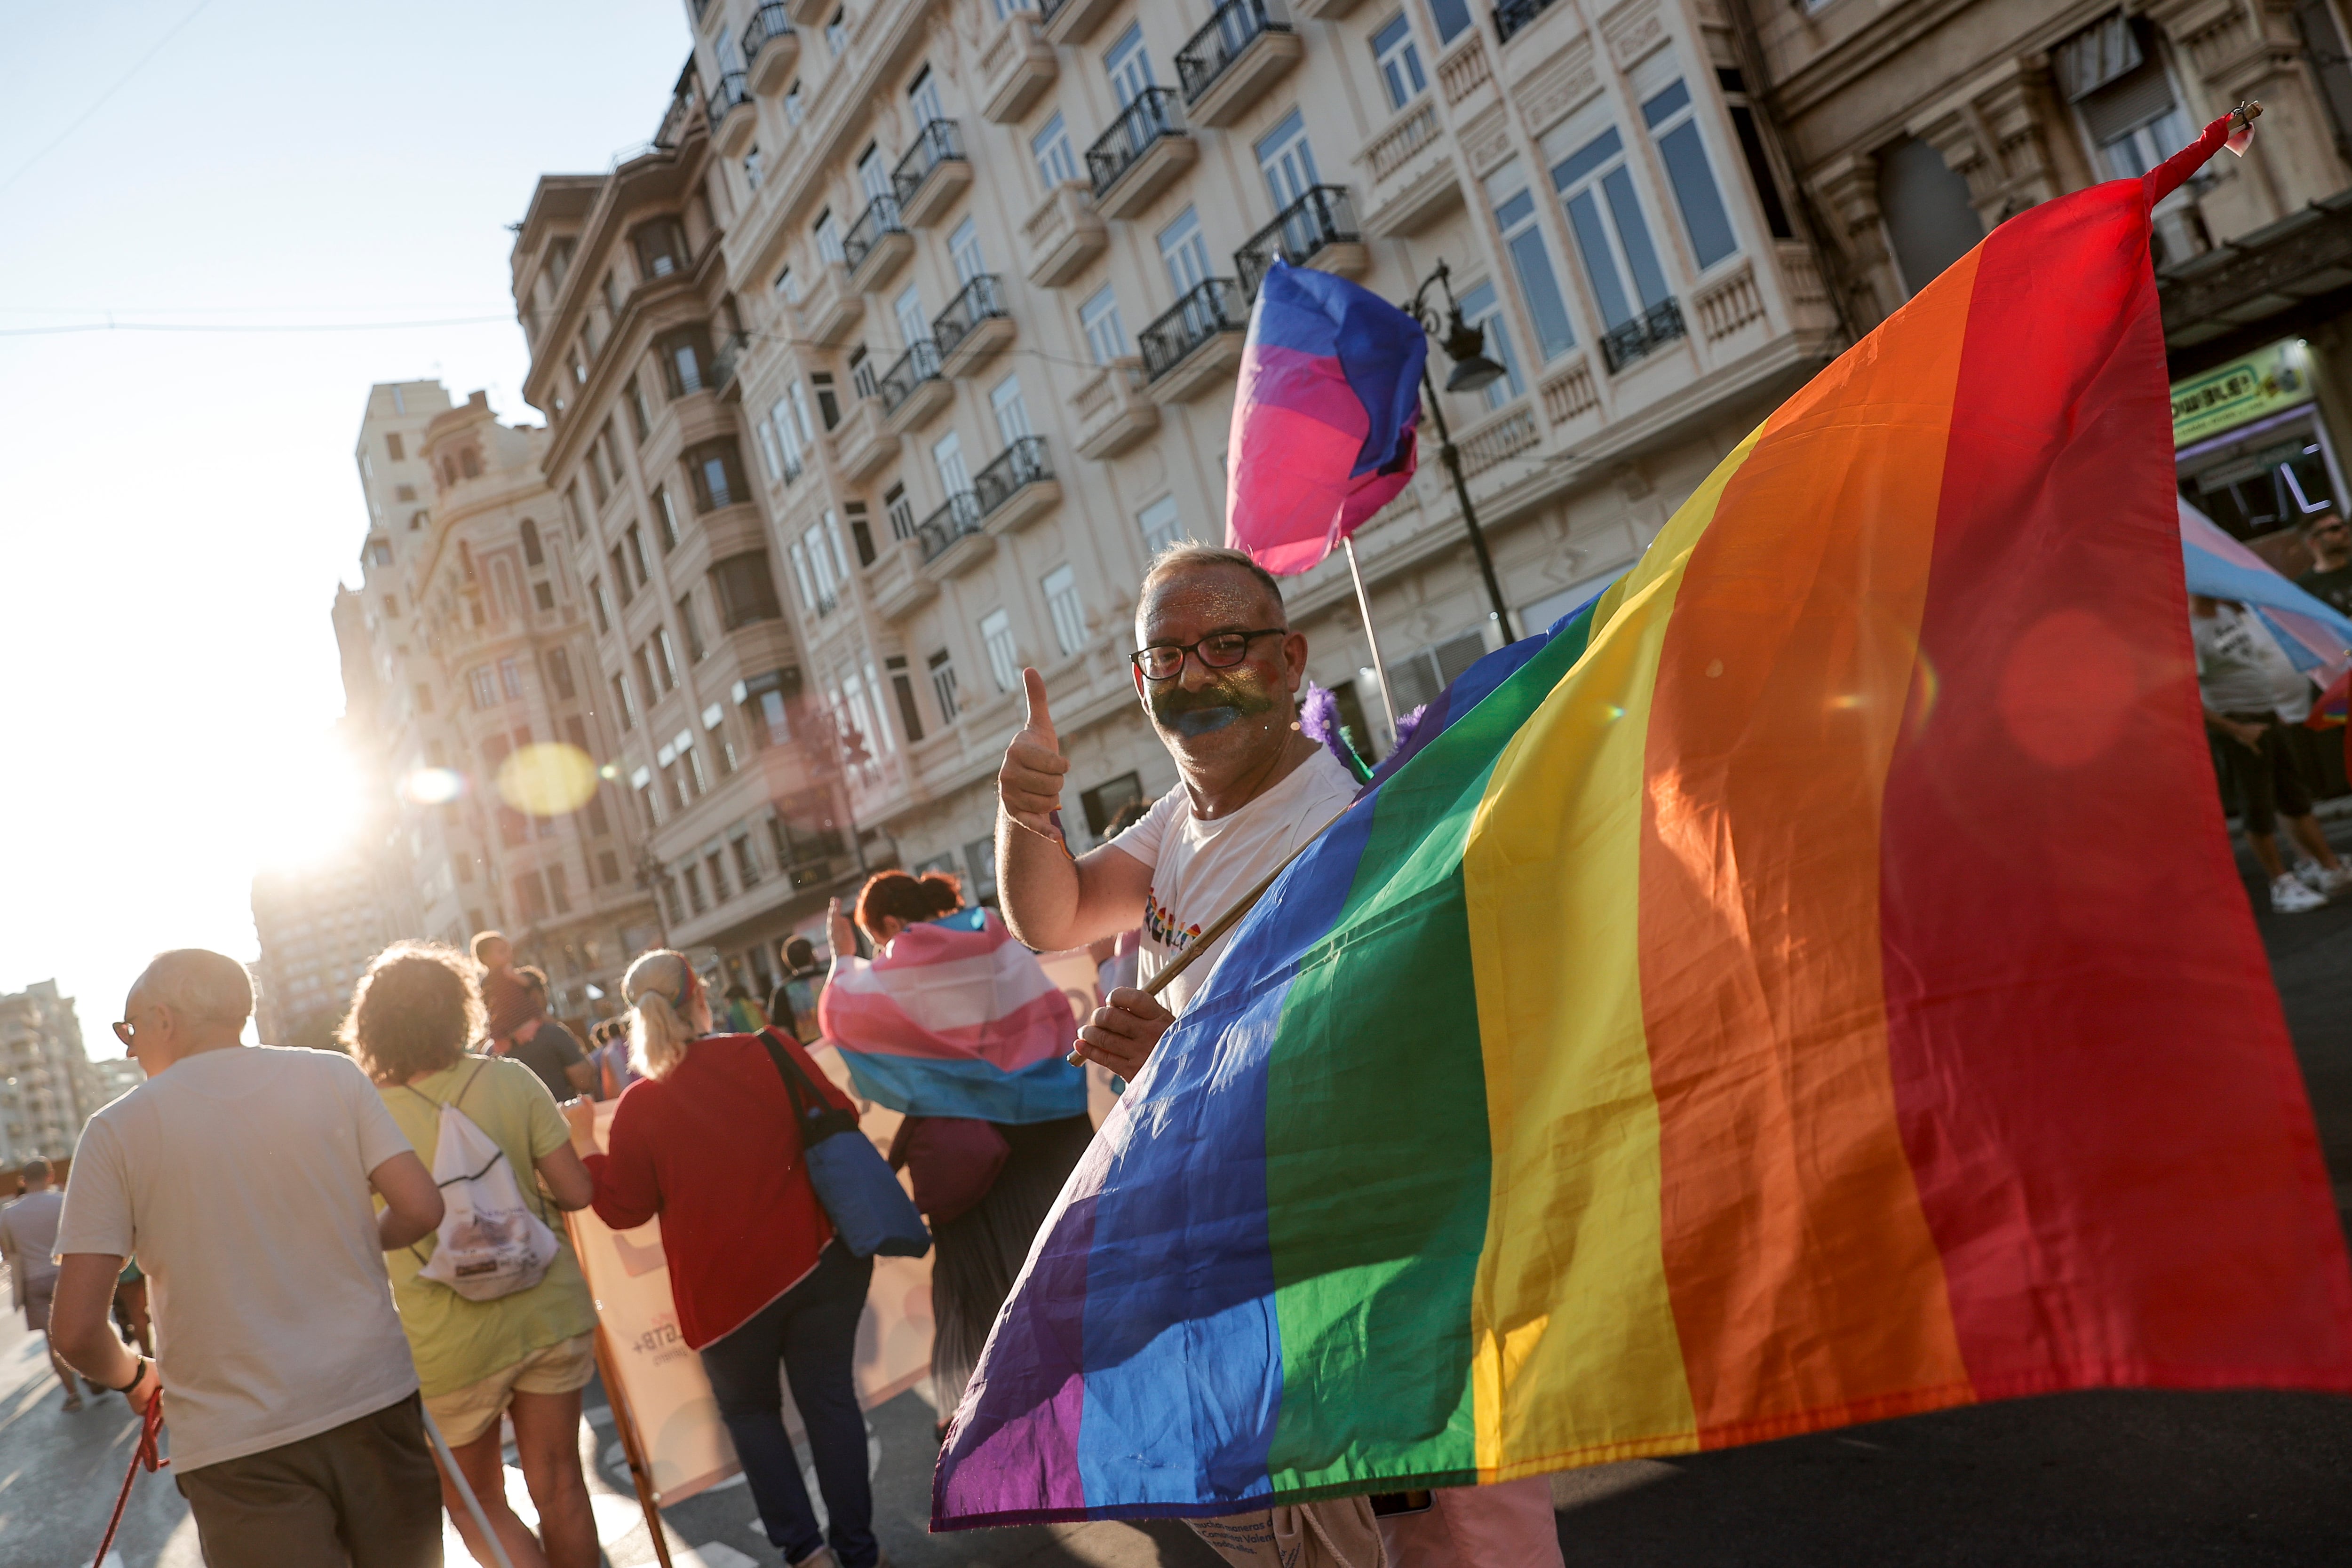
x: 659, y: 988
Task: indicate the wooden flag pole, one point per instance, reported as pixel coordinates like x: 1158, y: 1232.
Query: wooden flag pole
x: 626, y: 1422
x: 1379, y: 666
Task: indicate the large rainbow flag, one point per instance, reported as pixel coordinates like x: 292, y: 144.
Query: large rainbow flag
x: 954, y: 1018
x: 1810, y: 984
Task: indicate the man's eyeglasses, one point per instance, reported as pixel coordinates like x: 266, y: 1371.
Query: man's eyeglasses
x: 125, y: 1031
x: 1217, y: 651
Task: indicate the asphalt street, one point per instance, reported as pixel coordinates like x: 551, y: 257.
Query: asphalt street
x: 2148, y: 1479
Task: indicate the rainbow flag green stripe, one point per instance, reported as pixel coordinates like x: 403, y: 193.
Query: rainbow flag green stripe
x: 1810, y: 985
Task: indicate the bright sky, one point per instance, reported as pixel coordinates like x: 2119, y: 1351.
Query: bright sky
x: 178, y: 506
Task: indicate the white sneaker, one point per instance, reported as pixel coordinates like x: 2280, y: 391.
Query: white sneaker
x: 2312, y: 875
x: 2336, y: 883
x: 2289, y: 897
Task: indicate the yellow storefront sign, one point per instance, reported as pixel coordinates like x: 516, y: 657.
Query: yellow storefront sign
x: 2245, y: 389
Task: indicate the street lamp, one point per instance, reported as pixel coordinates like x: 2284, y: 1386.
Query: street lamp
x: 1472, y: 372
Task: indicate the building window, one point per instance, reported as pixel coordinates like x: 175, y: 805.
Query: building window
x: 944, y: 684
x: 624, y: 702
x: 571, y: 510
x: 836, y: 32
x: 747, y: 863
x: 900, y: 511
x: 1129, y: 67
x: 640, y: 419
x: 532, y: 554
x: 1515, y: 214
x: 1061, y: 586
x: 1012, y: 413
x: 1287, y: 161
x: 1612, y: 237
x: 543, y: 595
x: 1483, y: 308
x: 717, y: 474
x: 745, y: 589
x: 644, y: 663
x: 665, y: 658
x: 827, y: 230
x: 1751, y: 147
x: 666, y: 514
x: 964, y: 250
x: 913, y: 327
x: 661, y: 248
x: 751, y: 167
x: 394, y: 449
x: 1673, y: 120
x: 695, y: 650
x: 1398, y: 59
x: 559, y: 675
x: 1004, y: 659
x: 828, y: 405
x: 2133, y: 116
x: 1161, y: 525
x: 692, y: 876
x: 861, y: 536
x: 636, y: 549
x: 1184, y: 252
x: 597, y: 602
x: 902, y: 686
x: 1930, y: 221
x: 485, y: 684
x: 1098, y: 318
x: 1050, y: 147
x: 769, y: 455
x: 596, y: 485
x: 510, y: 678
x: 794, y: 108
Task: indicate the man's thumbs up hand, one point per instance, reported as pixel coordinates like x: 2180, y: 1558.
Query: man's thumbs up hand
x: 1030, y: 782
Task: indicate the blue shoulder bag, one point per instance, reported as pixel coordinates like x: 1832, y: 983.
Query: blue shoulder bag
x: 870, y: 1211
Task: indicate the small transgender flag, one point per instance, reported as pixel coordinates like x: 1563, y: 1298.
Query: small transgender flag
x: 956, y: 1019
x: 1323, y: 419
x: 2315, y: 637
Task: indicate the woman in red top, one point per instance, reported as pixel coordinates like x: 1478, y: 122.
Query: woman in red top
x: 706, y: 1141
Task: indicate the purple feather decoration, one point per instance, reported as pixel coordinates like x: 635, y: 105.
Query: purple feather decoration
x: 1407, y: 723
x: 1318, y: 720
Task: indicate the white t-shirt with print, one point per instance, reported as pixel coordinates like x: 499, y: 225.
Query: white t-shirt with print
x: 239, y: 1179
x: 1199, y: 868
x: 2240, y: 668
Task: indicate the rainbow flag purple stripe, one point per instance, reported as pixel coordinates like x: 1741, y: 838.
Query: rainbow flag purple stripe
x: 1323, y: 416
x: 956, y: 1019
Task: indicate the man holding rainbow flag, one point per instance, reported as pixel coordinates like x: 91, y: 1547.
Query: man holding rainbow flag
x: 1715, y: 1023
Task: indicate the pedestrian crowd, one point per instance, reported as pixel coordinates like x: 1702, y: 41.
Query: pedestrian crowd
x: 358, y: 1260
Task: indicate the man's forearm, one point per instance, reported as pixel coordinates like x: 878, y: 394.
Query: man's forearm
x: 1036, y: 885
x: 79, y: 1327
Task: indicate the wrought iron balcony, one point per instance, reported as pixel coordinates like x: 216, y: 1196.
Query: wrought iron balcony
x: 1321, y: 218
x: 1215, y: 306
x: 936, y: 158
x: 939, y: 532
x: 875, y: 225
x: 770, y: 24
x: 980, y: 302
x: 1153, y: 116
x: 730, y: 94
x: 1232, y: 29
x: 1015, y: 468
x: 918, y: 364
x: 1511, y: 15
x: 1659, y: 326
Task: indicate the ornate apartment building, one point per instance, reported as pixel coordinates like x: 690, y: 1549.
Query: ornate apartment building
x: 469, y: 683
x: 931, y: 308
x: 48, y: 1085
x: 1914, y: 129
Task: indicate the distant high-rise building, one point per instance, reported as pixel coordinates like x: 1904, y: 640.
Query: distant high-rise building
x: 117, y: 1076
x: 319, y: 926
x: 48, y: 1085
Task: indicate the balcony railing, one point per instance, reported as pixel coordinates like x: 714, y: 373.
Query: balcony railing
x: 918, y: 364
x: 936, y: 144
x: 770, y: 21
x: 1234, y: 27
x: 1510, y: 15
x: 1215, y: 306
x: 1321, y: 218
x: 1660, y: 325
x: 876, y: 222
x: 730, y: 92
x: 981, y: 299
x: 1152, y: 116
x: 1021, y: 463
x: 727, y: 360
x: 940, y: 531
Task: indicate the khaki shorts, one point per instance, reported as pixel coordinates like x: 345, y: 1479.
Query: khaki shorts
x: 465, y: 1413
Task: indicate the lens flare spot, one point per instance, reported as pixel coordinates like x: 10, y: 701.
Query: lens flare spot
x: 433, y: 786
x: 2066, y: 691
x: 548, y: 779
x: 1920, y: 707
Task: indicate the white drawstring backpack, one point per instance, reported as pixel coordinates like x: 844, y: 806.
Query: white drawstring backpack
x: 489, y: 1244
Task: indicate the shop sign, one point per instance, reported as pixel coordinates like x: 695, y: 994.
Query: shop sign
x: 2245, y: 389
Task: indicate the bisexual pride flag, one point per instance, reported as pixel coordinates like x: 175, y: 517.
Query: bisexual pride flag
x: 954, y: 1018
x: 1323, y: 416
x: 1724, y: 1024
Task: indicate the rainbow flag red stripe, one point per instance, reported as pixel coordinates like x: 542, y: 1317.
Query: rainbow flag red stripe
x: 1810, y: 984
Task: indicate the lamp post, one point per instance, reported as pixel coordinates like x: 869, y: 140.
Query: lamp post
x: 1466, y: 346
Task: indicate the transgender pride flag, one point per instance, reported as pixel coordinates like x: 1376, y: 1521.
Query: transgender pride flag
x: 956, y: 1019
x: 1323, y: 417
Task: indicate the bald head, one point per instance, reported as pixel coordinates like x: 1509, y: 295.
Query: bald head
x: 200, y: 985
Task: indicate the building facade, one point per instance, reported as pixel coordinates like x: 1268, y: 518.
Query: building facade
x: 318, y: 926
x: 1913, y: 130
x: 976, y: 274
x: 48, y: 1085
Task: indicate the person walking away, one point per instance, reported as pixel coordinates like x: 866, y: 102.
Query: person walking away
x: 505, y: 993
x: 744, y: 1016
x: 1217, y: 669
x: 525, y: 1355
x: 2330, y: 577
x: 792, y: 1007
x: 546, y: 1047
x: 708, y: 1141
x: 980, y: 1246
x: 28, y: 1237
x: 2252, y: 691
x: 242, y: 1177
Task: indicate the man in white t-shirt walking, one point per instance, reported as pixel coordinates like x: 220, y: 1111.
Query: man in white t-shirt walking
x: 1218, y: 669
x: 242, y: 1177
x: 28, y: 1234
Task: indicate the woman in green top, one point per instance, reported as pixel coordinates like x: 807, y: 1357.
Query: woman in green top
x: 527, y: 1355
